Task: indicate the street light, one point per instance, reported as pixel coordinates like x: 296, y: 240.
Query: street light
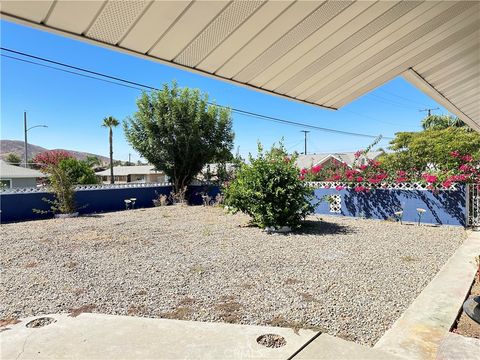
x: 26, y: 130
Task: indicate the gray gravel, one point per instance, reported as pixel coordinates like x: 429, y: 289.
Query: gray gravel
x: 352, y: 278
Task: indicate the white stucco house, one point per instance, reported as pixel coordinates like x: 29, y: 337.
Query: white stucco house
x: 12, y: 176
x: 133, y: 174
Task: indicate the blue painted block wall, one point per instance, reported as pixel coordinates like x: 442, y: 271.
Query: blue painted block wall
x: 443, y: 207
x: 19, y: 206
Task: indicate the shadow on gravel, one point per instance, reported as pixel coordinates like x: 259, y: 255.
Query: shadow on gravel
x: 321, y: 227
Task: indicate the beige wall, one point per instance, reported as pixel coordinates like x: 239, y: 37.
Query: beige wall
x: 22, y: 182
x: 139, y: 178
x: 156, y: 178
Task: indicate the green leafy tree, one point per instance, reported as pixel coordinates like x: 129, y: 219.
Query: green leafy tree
x: 178, y: 132
x: 79, y: 172
x: 13, y: 159
x: 430, y: 149
x: 110, y: 122
x: 270, y: 191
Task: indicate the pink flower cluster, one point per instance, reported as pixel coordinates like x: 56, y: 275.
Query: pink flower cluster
x: 51, y: 157
x: 373, y: 175
x: 430, y: 178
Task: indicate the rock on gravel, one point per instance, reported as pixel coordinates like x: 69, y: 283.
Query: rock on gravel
x: 349, y: 277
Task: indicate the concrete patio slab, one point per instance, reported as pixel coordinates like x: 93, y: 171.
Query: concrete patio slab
x: 327, y: 347
x: 417, y: 334
x: 454, y: 346
x: 98, y: 336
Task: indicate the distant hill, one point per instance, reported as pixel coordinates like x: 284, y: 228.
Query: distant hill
x: 17, y: 147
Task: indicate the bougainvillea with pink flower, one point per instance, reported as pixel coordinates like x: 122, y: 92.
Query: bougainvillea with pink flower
x: 51, y: 157
x: 372, y: 174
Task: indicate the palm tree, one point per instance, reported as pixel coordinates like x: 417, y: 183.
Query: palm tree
x: 110, y: 122
x: 440, y: 122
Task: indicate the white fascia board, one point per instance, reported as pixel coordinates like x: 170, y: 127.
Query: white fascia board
x: 418, y: 81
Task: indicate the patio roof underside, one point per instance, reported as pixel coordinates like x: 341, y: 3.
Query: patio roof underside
x: 325, y: 53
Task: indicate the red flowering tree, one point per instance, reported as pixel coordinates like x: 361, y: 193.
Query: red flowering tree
x: 51, y: 157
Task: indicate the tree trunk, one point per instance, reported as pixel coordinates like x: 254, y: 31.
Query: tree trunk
x: 112, y: 179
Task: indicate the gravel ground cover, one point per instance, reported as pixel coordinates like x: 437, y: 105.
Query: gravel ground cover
x: 348, y: 277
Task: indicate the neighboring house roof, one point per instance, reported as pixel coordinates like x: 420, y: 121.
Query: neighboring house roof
x: 213, y: 169
x: 214, y: 166
x: 130, y: 170
x: 309, y: 160
x: 8, y: 171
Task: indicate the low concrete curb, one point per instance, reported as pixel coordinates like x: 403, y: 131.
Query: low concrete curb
x: 421, y: 328
x: 455, y: 346
x: 98, y: 336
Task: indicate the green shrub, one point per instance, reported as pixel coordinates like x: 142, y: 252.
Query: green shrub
x: 79, y: 172
x: 270, y: 191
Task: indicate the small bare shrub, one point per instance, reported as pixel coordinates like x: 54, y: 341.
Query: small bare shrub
x: 206, y: 199
x: 218, y: 200
x: 179, y: 197
x: 161, y: 200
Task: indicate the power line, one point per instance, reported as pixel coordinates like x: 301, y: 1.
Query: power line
x: 136, y: 85
x: 392, y: 102
x: 71, y: 72
x: 294, y: 145
x: 368, y: 117
x: 294, y: 123
x: 402, y: 97
x: 78, y: 68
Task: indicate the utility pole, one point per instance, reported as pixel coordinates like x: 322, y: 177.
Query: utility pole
x: 25, y: 131
x: 305, y: 132
x: 129, y: 158
x: 429, y: 111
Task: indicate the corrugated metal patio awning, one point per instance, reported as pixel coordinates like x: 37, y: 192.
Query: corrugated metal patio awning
x: 326, y: 53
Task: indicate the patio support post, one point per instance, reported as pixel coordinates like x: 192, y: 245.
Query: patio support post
x: 25, y: 130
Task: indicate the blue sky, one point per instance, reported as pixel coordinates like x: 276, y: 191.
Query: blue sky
x: 73, y: 107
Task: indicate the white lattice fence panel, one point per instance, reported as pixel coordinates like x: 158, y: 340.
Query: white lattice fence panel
x: 382, y: 186
x: 335, y: 202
